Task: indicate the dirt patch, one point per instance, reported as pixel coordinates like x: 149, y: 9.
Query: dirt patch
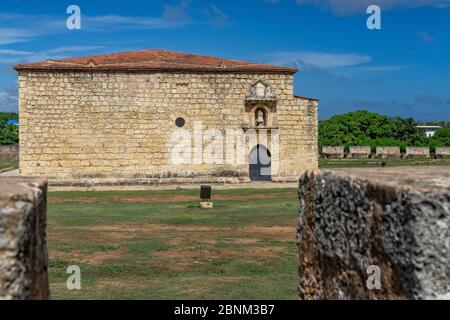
x: 181, y: 258
x: 191, y: 238
x: 96, y: 258
x: 75, y: 235
x: 270, y: 233
x: 246, y: 240
x: 146, y: 227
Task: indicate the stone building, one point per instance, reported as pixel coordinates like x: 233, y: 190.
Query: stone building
x: 122, y: 116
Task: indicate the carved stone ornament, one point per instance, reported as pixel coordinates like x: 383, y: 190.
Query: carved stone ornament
x: 260, y: 91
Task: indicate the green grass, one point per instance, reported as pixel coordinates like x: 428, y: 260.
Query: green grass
x: 161, y: 245
x: 9, y: 164
x: 361, y: 163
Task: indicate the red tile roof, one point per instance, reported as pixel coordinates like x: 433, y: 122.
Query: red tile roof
x: 153, y: 60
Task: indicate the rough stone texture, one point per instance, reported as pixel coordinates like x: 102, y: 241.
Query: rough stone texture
x: 388, y: 152
x: 359, y: 152
x: 23, y: 250
x: 118, y: 124
x: 337, y: 152
x: 399, y: 222
x: 443, y: 152
x: 9, y: 152
x: 417, y: 152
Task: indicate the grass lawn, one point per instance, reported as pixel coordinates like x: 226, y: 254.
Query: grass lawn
x: 9, y: 164
x: 355, y: 163
x: 161, y: 245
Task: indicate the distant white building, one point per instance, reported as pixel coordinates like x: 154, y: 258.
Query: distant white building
x: 429, y: 130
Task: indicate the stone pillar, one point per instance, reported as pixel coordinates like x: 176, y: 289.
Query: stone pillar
x: 23, y: 249
x: 350, y: 226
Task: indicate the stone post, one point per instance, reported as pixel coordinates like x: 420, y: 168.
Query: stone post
x: 23, y: 249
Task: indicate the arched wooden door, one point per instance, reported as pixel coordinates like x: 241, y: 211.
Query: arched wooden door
x: 260, y: 164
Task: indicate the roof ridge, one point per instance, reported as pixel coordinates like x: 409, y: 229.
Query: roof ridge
x: 153, y: 59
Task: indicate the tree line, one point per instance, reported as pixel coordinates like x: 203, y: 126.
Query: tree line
x: 9, y: 134
x: 364, y: 128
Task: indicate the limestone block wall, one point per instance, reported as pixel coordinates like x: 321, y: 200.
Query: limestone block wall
x: 9, y: 152
x: 374, y: 219
x: 23, y: 250
x: 359, y: 152
x: 333, y: 151
x: 76, y: 124
x: 388, y: 152
x: 443, y: 151
x: 417, y: 152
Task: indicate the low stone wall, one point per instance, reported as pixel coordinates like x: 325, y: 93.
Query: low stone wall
x: 417, y: 152
x: 443, y: 152
x: 337, y: 152
x: 9, y: 152
x: 23, y: 249
x: 349, y: 227
x: 388, y: 152
x: 359, y: 152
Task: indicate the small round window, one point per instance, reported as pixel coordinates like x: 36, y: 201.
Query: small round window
x: 180, y: 122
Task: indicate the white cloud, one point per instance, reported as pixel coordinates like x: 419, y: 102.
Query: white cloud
x: 73, y: 49
x: 8, y: 99
x: 321, y: 60
x: 13, y: 56
x: 425, y: 37
x: 35, y: 26
x: 347, y: 7
x: 216, y: 17
x: 14, y: 52
x: 12, y: 35
x: 177, y: 14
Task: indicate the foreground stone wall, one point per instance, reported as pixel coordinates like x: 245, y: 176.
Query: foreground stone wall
x: 349, y: 223
x: 9, y: 152
x: 23, y: 250
x: 95, y: 125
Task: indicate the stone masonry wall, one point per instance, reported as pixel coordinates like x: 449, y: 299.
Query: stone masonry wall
x: 333, y: 151
x: 9, y: 152
x: 349, y: 223
x: 23, y: 250
x: 119, y: 124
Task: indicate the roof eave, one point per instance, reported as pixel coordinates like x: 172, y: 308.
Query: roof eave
x: 20, y: 68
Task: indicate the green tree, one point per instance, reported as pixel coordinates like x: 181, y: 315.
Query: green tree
x: 442, y: 137
x: 9, y: 134
x: 364, y: 128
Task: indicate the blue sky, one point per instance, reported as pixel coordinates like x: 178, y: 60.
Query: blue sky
x: 402, y: 69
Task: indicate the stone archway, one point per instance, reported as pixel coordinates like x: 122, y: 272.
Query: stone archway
x: 260, y: 164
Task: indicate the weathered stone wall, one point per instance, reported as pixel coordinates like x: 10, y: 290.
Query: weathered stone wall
x: 333, y: 151
x: 120, y: 124
x: 388, y: 152
x: 443, y: 152
x: 348, y: 224
x: 23, y: 250
x: 417, y: 152
x: 9, y: 152
x: 359, y: 152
